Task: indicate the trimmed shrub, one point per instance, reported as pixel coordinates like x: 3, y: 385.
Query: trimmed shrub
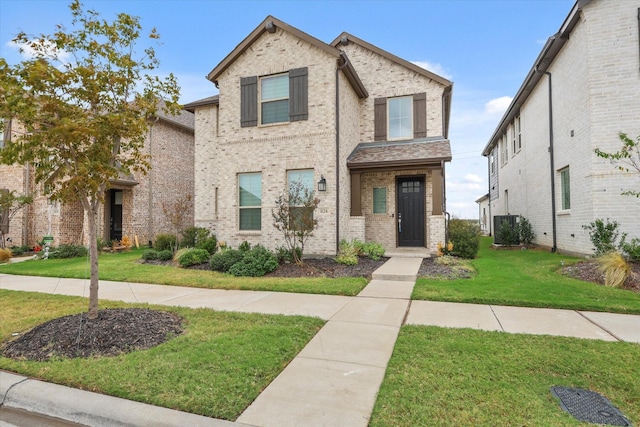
x: 525, y: 231
x: 150, y: 255
x: 373, y: 250
x: 631, y: 249
x: 165, y: 255
x: 465, y: 236
x: 19, y: 250
x: 224, y: 260
x: 603, y: 235
x: 192, y: 256
x: 210, y: 244
x: 5, y: 254
x: 347, y: 254
x: 507, y: 234
x: 193, y: 235
x: 68, y: 251
x: 166, y: 241
x: 255, y: 262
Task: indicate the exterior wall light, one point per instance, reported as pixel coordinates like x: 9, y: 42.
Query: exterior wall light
x: 322, y: 184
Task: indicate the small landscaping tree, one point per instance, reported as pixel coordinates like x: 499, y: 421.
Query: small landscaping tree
x: 293, y: 216
x: 628, y: 157
x: 525, y: 231
x: 177, y: 213
x: 10, y: 205
x: 85, y: 97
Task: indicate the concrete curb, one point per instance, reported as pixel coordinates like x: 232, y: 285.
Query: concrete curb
x: 92, y: 409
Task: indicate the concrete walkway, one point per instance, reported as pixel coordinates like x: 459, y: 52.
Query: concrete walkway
x: 335, y: 379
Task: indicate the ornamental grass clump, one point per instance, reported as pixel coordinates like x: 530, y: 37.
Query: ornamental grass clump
x: 615, y: 268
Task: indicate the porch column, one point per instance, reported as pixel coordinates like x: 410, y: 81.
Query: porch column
x: 356, y: 199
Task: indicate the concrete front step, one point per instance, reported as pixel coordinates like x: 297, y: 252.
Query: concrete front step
x: 408, y: 252
x: 398, y: 269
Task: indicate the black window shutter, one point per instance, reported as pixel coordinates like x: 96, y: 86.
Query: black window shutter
x: 420, y: 115
x: 249, y: 101
x: 298, y: 94
x: 380, y: 119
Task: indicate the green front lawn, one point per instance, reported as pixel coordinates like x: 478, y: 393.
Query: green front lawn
x: 526, y: 278
x: 217, y: 367
x: 124, y: 267
x: 463, y: 377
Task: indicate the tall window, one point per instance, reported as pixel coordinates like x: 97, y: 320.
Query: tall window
x: 505, y: 149
x: 6, y: 129
x: 274, y: 99
x: 380, y: 200
x: 401, y: 117
x: 250, y: 201
x: 305, y: 179
x: 565, y: 183
x: 518, y: 134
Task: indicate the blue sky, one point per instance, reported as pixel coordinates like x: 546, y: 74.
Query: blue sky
x: 485, y: 47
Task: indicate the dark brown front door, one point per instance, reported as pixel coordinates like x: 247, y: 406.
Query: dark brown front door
x: 115, y: 221
x: 410, y: 193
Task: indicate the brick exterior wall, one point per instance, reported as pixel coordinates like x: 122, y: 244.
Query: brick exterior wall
x: 595, y: 81
x: 171, y: 150
x: 224, y: 149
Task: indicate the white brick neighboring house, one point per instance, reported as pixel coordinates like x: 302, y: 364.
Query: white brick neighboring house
x: 291, y: 106
x: 586, y: 84
x: 133, y: 206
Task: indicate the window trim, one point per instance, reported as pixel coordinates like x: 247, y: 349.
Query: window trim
x: 262, y: 102
x: 565, y: 188
x: 410, y: 134
x: 373, y: 201
x: 240, y: 207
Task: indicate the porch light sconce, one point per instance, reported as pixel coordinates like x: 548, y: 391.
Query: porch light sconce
x: 322, y: 184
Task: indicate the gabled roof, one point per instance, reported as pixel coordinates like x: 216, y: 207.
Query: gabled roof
x: 542, y: 63
x: 346, y: 38
x: 270, y: 24
x: 184, y: 119
x: 211, y: 100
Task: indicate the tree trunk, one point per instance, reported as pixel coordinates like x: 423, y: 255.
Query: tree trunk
x: 93, y: 260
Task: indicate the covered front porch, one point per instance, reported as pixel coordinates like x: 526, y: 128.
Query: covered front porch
x: 398, y: 194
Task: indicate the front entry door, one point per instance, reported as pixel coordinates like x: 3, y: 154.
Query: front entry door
x: 115, y: 221
x: 410, y: 193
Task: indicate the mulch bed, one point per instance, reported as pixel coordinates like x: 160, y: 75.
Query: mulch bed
x: 328, y: 267
x: 588, y: 271
x: 114, y: 332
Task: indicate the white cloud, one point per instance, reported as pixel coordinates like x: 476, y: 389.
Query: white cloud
x: 434, y: 68
x: 48, y: 49
x: 497, y: 106
x: 471, y: 177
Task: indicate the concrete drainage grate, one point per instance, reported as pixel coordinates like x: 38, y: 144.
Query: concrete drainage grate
x: 589, y: 406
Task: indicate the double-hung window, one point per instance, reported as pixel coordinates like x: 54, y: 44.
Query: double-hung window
x: 565, y: 184
x: 250, y: 201
x: 300, y: 184
x: 400, y: 117
x: 274, y: 99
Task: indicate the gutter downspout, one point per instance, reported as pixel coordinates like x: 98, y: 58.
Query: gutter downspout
x: 552, y: 167
x: 150, y: 207
x: 27, y: 208
x: 338, y: 69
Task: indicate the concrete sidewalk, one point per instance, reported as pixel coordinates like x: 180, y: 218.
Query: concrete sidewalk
x: 335, y: 379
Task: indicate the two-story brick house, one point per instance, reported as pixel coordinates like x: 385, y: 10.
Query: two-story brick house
x: 368, y: 125
x: 133, y: 205
x: 580, y: 93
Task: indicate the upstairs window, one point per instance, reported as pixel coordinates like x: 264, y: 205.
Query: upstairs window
x: 403, y: 117
x: 400, y: 117
x: 281, y: 98
x: 518, y: 135
x: 274, y: 99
